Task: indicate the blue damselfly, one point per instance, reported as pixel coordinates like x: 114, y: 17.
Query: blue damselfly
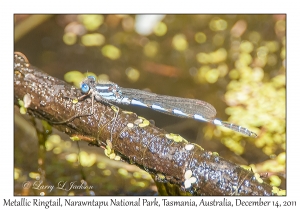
x: 180, y: 107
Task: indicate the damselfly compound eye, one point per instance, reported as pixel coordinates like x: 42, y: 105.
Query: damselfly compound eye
x: 84, y: 88
x: 92, y: 78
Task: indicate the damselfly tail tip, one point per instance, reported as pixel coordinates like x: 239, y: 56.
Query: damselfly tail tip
x: 252, y: 134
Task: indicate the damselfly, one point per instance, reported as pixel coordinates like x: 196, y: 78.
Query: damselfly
x: 180, y: 107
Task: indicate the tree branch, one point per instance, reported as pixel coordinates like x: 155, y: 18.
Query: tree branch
x: 170, y: 158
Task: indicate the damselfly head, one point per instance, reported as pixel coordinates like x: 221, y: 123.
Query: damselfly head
x: 87, y: 84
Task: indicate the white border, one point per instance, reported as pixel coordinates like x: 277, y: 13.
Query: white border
x: 8, y: 8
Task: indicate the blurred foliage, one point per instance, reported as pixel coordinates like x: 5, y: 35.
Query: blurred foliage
x: 233, y: 61
x: 64, y: 168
